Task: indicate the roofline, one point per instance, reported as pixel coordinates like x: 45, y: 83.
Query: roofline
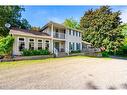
x: 51, y: 22
x: 47, y: 37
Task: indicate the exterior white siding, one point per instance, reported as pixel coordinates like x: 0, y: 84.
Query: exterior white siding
x: 73, y: 39
x: 16, y: 44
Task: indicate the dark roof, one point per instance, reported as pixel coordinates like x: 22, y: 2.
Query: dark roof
x: 27, y: 32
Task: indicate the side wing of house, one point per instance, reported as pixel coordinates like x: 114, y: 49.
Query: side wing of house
x: 28, y: 40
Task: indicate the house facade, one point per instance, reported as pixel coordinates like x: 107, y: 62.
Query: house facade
x: 53, y: 36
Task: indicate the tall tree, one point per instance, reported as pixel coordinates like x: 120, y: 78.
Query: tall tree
x: 102, y: 28
x: 11, y: 15
x: 71, y: 23
x: 35, y: 28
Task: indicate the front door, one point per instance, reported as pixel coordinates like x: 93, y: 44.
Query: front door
x: 56, y: 45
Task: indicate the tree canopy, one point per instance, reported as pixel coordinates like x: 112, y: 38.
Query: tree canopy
x: 102, y: 28
x: 35, y: 28
x: 70, y: 22
x: 12, y: 15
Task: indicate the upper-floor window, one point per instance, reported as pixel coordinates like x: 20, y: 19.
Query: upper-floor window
x: 40, y: 44
x: 69, y: 31
x: 76, y: 33
x: 56, y: 30
x: 73, y: 32
x: 79, y: 34
x: 64, y: 31
x: 31, y: 44
x: 21, y: 44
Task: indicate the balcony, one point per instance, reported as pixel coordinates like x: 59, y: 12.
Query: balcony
x: 59, y: 35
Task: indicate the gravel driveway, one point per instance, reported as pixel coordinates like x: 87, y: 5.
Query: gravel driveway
x: 67, y: 73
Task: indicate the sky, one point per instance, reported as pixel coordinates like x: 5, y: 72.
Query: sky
x: 40, y: 15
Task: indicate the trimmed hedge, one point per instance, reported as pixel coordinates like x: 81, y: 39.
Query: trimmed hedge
x: 75, y: 51
x: 26, y: 52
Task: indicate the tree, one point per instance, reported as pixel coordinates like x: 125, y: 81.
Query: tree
x: 11, y: 15
x: 6, y: 45
x: 34, y: 28
x: 102, y: 28
x: 71, y: 23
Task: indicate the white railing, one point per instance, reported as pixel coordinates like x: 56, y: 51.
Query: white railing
x: 59, y: 35
x: 55, y: 51
x: 91, y: 50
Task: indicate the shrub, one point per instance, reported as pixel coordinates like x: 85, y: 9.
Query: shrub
x: 105, y: 54
x: 6, y: 45
x: 75, y: 51
x: 26, y: 52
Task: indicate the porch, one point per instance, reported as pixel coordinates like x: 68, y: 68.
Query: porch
x: 59, y: 46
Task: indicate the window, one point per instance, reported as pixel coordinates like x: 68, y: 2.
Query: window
x: 70, y: 46
x: 73, y: 46
x: 31, y: 44
x: 21, y: 44
x: 77, y: 48
x: 76, y: 33
x: 73, y: 32
x: 69, y: 31
x: 47, y: 44
x: 39, y: 44
x: 79, y: 34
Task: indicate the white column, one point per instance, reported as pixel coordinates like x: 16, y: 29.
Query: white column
x: 43, y: 43
x: 51, y: 43
x: 60, y: 46
x: 36, y: 44
x: 26, y: 43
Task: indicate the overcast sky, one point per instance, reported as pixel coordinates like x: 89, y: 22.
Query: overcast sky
x: 40, y: 15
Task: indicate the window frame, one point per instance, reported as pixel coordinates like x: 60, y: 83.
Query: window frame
x: 21, y: 41
x: 38, y: 43
x: 45, y: 44
x: 29, y: 43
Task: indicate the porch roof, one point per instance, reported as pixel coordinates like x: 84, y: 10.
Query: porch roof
x: 86, y: 43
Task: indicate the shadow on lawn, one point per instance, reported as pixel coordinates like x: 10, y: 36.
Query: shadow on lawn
x: 91, y: 85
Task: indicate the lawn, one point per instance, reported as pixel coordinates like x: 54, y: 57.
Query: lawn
x: 13, y: 64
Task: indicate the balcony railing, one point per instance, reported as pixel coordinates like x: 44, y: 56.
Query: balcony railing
x: 59, y: 35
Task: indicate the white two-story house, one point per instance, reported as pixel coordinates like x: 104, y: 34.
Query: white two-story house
x: 53, y: 36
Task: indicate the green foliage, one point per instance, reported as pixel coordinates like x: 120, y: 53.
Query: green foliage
x: 124, y: 29
x: 11, y: 15
x: 72, y: 23
x: 34, y: 28
x: 26, y: 52
x: 6, y: 45
x: 123, y: 50
x: 102, y: 28
x: 75, y: 51
x: 105, y: 54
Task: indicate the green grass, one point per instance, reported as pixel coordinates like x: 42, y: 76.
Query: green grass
x: 14, y: 64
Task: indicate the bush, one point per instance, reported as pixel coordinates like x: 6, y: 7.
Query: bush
x: 75, y: 51
x: 105, y: 54
x: 26, y: 52
x: 6, y: 45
